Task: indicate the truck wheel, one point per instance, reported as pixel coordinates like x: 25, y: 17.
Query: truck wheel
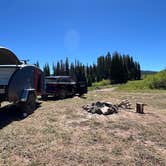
x: 62, y: 94
x: 44, y: 97
x: 29, y: 106
x: 80, y: 94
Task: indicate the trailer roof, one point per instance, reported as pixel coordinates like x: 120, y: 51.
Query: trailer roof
x: 7, y: 57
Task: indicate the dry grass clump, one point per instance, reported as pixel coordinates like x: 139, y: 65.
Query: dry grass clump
x: 61, y: 133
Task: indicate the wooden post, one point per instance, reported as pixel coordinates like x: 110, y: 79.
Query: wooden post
x: 140, y: 108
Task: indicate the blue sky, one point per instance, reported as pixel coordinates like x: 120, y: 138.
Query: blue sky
x: 50, y: 30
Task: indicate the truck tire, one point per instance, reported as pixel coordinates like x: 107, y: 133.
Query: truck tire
x: 62, y: 94
x: 44, y: 97
x: 29, y: 106
x: 80, y: 94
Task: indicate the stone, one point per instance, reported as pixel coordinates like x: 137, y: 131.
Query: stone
x: 108, y: 104
x: 104, y: 110
x: 99, y: 104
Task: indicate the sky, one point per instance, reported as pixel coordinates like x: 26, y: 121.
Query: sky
x: 50, y: 30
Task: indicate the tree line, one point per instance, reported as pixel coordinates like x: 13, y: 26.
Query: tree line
x: 116, y: 67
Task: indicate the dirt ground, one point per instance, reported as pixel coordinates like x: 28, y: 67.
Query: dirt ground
x: 61, y: 133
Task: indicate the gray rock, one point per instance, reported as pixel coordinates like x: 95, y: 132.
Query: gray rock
x: 99, y: 104
x: 108, y: 104
x: 104, y: 110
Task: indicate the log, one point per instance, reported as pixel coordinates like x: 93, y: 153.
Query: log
x: 140, y: 108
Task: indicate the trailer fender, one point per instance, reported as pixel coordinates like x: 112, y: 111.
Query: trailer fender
x: 25, y: 94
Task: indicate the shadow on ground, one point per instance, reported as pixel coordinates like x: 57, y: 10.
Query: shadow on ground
x: 10, y: 113
x: 54, y: 98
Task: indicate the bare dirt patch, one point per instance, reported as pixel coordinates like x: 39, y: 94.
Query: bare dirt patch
x: 62, y: 133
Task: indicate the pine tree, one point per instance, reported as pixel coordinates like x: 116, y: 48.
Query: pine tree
x: 58, y: 70
x: 37, y: 64
x: 117, y: 68
x: 46, y: 69
x: 94, y: 71
x: 115, y: 64
x: 54, y: 68
x: 137, y: 71
x: 125, y: 68
x: 100, y: 68
x: 62, y: 68
x: 72, y: 70
x: 67, y: 66
x: 108, y: 65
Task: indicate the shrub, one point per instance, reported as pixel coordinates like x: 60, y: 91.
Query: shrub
x: 158, y: 80
x: 155, y: 81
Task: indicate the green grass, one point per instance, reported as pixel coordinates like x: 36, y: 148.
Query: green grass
x: 135, y: 85
x: 100, y: 85
x: 155, y: 81
x: 150, y: 82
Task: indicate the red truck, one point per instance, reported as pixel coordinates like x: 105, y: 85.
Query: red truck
x: 63, y: 86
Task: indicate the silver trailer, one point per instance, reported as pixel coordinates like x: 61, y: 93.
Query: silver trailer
x: 20, y: 83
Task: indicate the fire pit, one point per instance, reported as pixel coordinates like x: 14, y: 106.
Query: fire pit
x: 106, y: 108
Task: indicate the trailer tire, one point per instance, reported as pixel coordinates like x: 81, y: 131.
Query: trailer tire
x: 29, y: 106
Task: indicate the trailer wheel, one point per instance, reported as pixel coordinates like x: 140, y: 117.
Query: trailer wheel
x: 29, y: 106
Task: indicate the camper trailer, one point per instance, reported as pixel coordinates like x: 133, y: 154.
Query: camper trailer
x: 20, y: 83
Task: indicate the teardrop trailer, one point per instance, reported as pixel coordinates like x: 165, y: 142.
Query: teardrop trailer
x: 20, y: 83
